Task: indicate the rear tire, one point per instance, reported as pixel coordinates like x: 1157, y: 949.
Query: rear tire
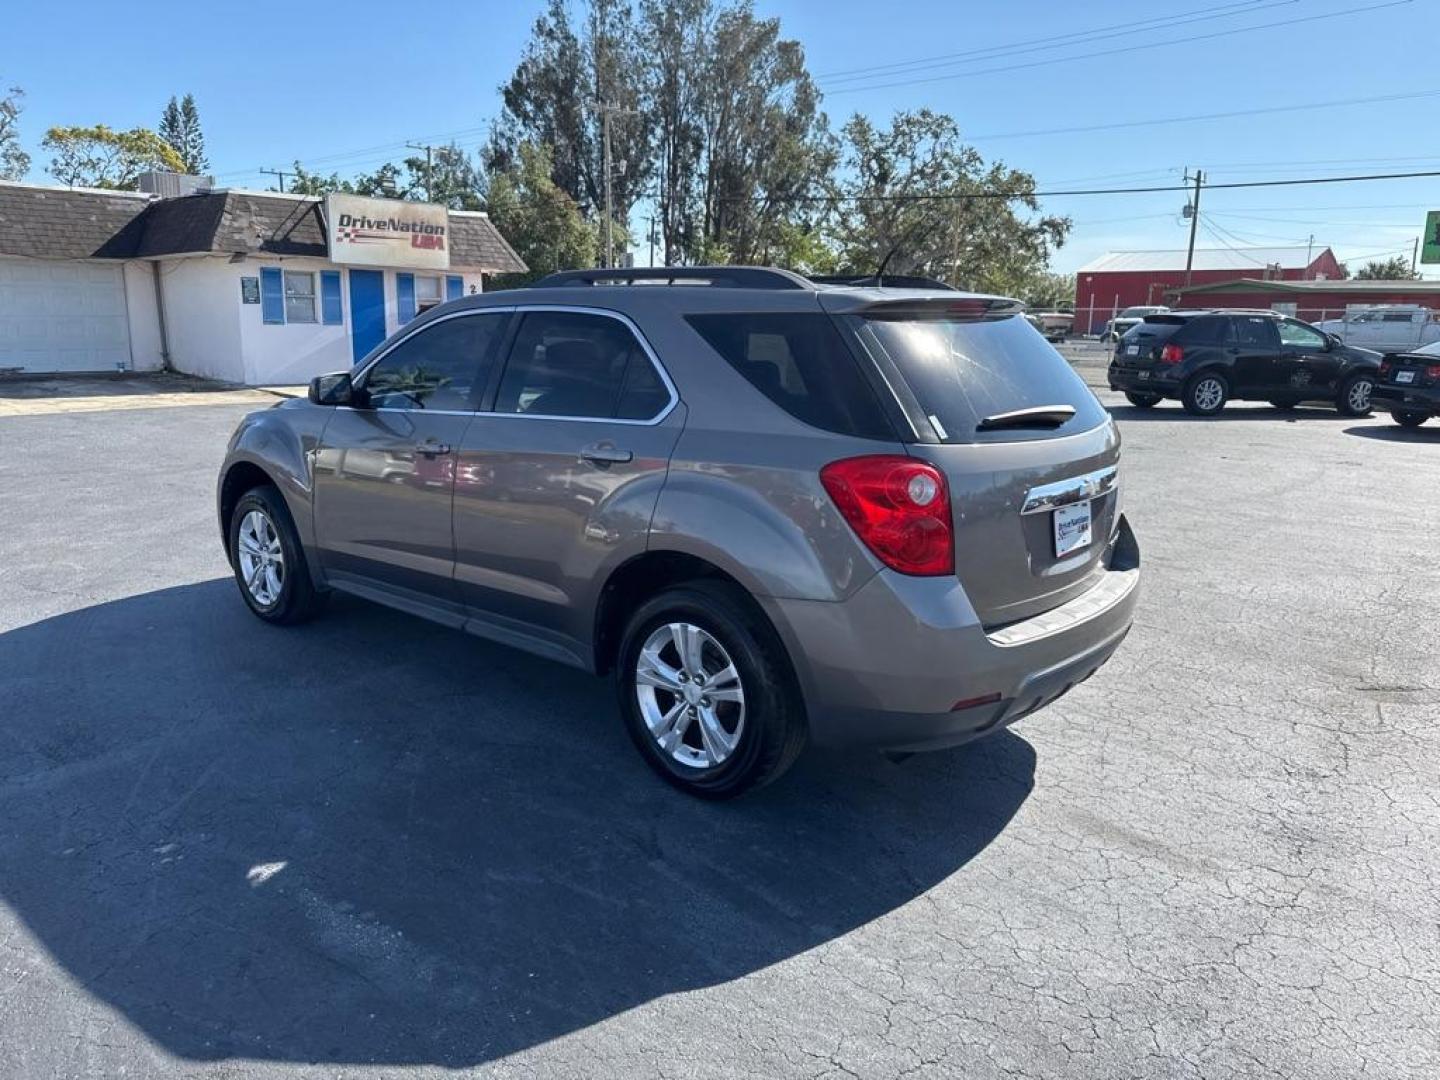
x: 1205, y: 394
x: 1354, y: 396
x: 269, y: 560
x: 1409, y: 419
x: 1142, y: 401
x: 736, y: 654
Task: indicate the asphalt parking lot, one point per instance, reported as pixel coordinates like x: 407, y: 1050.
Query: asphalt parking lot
x: 371, y: 847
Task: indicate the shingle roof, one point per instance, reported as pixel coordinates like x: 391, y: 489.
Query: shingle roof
x: 69, y: 223
x: 79, y: 223
x: 1241, y: 260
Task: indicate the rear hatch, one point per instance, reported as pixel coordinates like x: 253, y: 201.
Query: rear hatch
x: 1411, y: 371
x: 1139, y: 349
x: 1028, y: 451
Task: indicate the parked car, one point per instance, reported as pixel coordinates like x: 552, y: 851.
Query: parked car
x: 1131, y: 317
x: 1205, y: 358
x: 776, y: 511
x: 1386, y: 327
x: 1408, y: 385
x: 1055, y: 325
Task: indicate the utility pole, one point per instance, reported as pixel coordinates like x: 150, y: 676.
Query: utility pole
x: 429, y: 169
x: 1309, y: 248
x: 281, y: 173
x: 652, y: 240
x: 606, y: 110
x: 1194, y: 222
x: 1415, y: 258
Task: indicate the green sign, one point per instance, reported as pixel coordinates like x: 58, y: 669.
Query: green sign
x: 1430, y: 246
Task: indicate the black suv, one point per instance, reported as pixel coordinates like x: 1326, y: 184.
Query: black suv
x: 1205, y: 358
x: 1409, y: 386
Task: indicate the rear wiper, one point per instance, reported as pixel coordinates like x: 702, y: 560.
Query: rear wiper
x: 1037, y: 416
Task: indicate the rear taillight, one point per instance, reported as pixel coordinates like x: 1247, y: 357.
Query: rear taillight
x: 1434, y: 372
x: 1385, y: 366
x: 899, y: 507
x: 1172, y: 354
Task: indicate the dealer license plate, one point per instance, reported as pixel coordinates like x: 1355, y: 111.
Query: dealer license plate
x: 1072, y: 528
x: 1405, y: 376
x: 1132, y: 350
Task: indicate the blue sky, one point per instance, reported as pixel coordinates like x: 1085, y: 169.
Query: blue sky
x: 343, y: 86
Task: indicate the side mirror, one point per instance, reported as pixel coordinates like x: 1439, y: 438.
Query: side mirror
x: 1333, y: 341
x: 333, y: 389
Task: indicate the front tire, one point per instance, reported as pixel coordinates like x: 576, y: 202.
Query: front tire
x: 1354, y: 396
x: 707, y: 691
x: 268, y: 559
x: 1142, y: 401
x: 1406, y: 418
x: 1205, y: 394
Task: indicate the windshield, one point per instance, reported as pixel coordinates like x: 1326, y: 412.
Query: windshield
x: 962, y: 370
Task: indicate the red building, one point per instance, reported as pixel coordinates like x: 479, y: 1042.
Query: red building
x: 1308, y: 300
x: 1124, y: 279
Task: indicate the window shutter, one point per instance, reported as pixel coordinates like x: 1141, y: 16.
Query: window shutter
x: 454, y: 287
x: 272, y: 296
x: 331, y: 312
x: 405, y: 296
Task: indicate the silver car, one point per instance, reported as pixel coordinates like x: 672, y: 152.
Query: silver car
x: 776, y: 511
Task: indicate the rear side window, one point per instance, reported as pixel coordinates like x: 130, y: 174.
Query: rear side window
x: 800, y: 362
x: 963, y: 370
x: 1152, y: 331
x: 1203, y: 331
x: 570, y: 364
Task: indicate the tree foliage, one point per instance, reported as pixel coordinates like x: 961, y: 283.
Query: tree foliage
x: 538, y: 217
x: 14, y: 161
x: 924, y: 204
x: 449, y: 176
x: 101, y: 157
x: 180, y: 127
x: 554, y: 99
x: 1396, y: 268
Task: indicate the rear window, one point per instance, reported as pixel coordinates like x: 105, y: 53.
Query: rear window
x: 1153, y: 330
x: 963, y: 370
x: 800, y: 362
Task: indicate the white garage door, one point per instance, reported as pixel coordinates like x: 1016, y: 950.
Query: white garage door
x: 62, y: 316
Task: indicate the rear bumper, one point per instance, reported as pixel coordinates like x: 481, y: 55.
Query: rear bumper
x: 1389, y: 397
x: 1155, y: 381
x: 887, y: 667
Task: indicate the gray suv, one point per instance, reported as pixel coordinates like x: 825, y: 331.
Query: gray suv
x: 776, y: 510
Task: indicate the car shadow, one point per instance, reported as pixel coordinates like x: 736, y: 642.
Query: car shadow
x: 372, y: 840
x: 1172, y: 412
x: 1393, y: 432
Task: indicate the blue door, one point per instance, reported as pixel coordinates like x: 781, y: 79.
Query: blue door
x: 367, y: 311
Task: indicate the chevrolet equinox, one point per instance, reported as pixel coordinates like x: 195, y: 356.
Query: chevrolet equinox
x: 777, y: 510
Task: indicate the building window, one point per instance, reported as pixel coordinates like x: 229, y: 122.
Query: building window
x: 299, y: 296
x: 427, y: 293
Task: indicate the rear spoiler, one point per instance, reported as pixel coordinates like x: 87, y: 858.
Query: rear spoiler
x: 942, y: 307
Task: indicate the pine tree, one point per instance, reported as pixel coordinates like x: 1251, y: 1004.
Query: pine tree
x: 180, y: 127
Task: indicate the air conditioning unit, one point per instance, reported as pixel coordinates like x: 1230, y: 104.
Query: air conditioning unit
x: 171, y: 185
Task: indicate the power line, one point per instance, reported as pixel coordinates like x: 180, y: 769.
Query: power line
x: 1188, y: 40
x: 1230, y: 115
x: 1038, y: 194
x: 1079, y: 37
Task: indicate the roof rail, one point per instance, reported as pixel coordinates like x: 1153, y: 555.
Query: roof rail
x: 725, y: 277
x: 882, y: 281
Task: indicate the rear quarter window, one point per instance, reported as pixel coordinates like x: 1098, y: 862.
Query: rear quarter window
x: 801, y: 363
x: 962, y: 370
x: 1204, y: 331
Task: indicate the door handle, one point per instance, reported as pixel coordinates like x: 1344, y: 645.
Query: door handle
x: 604, y: 454
x: 431, y: 449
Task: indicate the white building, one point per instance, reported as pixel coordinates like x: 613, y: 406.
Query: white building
x: 241, y: 286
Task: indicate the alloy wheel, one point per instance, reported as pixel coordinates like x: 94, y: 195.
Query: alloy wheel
x: 1209, y: 393
x: 1359, y: 397
x: 262, y: 560
x: 690, y: 695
